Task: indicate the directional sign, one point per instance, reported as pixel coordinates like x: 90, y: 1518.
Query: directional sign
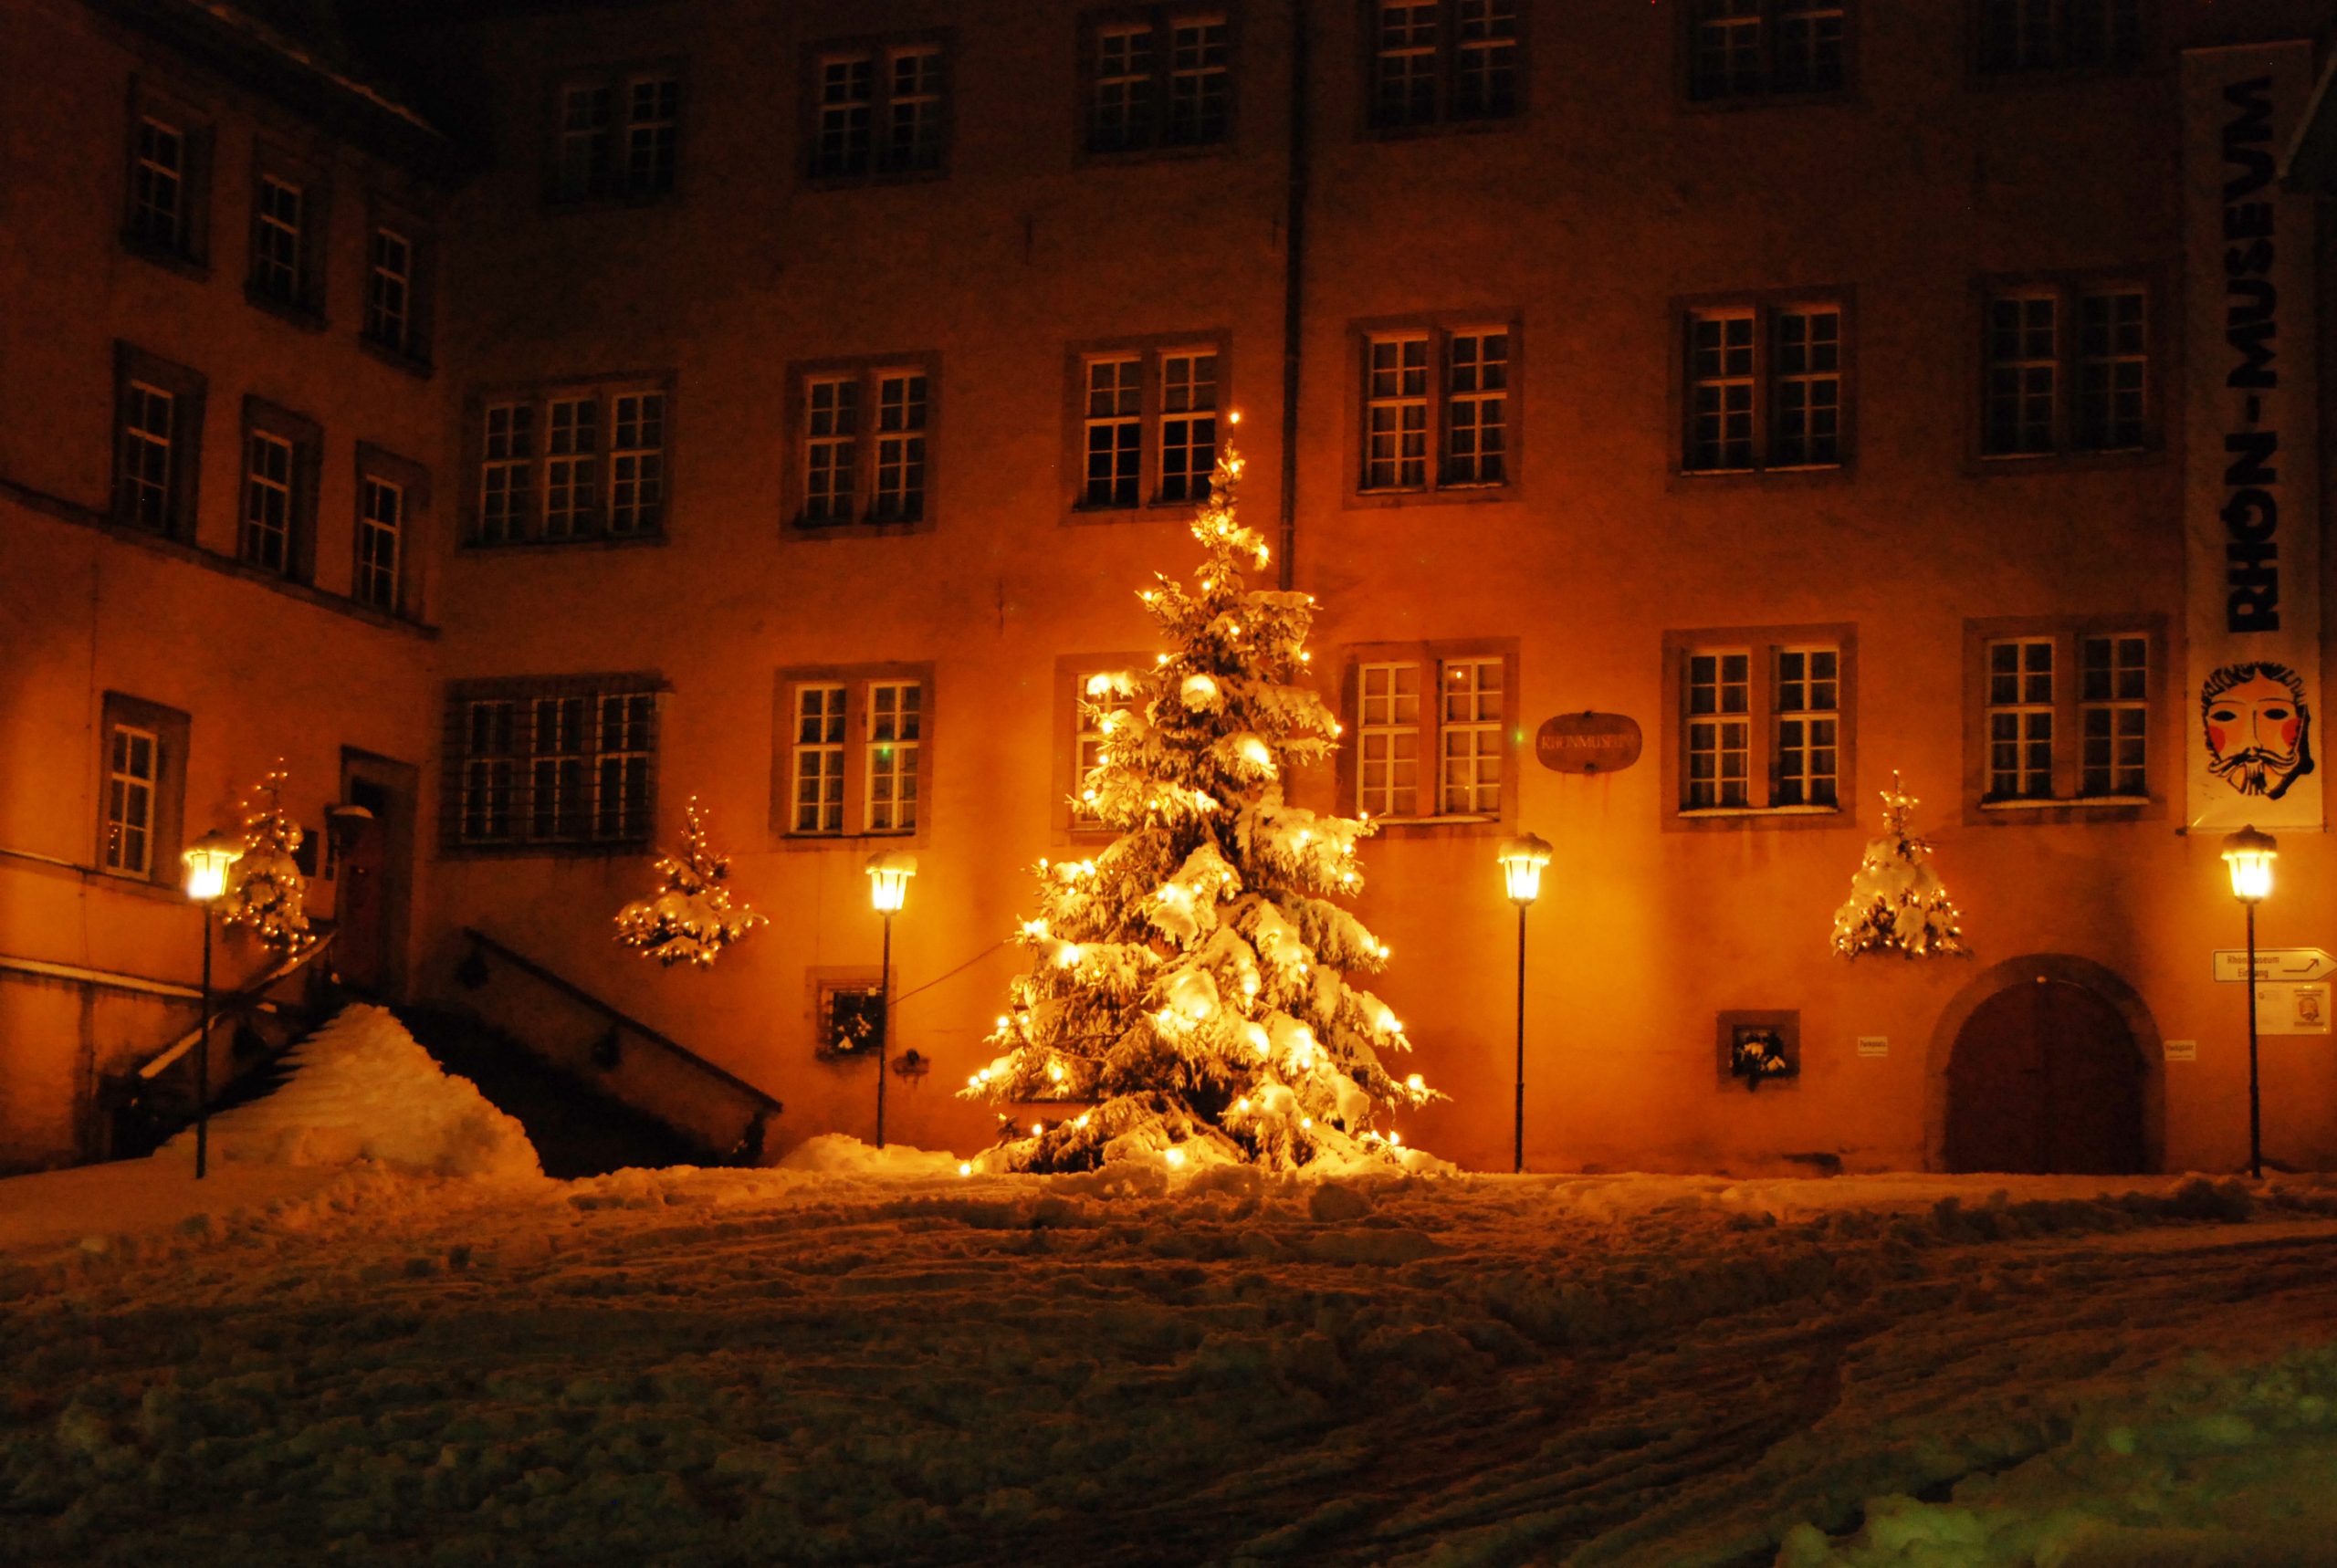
x: 2275, y: 963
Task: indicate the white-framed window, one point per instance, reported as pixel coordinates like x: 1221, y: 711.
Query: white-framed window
x: 855, y: 760
x: 819, y: 757
x: 618, y: 137
x: 552, y: 763
x: 148, y: 493
x: 2064, y: 711
x: 2113, y: 711
x: 1443, y: 61
x: 1765, y: 387
x: 269, y: 471
x: 1438, y: 409
x: 381, y: 539
x: 1147, y: 427
x: 158, y: 185
x: 1762, y: 721
x: 2058, y: 34
x: 571, y: 462
x: 862, y: 446
x: 1160, y: 80
x: 389, y: 290
x: 895, y: 730
x: 279, y: 239
x: 878, y: 110
x: 637, y: 464
x: 1431, y: 732
x: 1748, y: 49
x: 2020, y: 718
x: 2067, y: 369
x: 133, y: 765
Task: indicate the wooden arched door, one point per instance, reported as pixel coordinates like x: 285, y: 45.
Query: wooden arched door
x: 2045, y: 1079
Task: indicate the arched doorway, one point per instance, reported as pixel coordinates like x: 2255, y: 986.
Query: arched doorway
x: 2045, y: 1077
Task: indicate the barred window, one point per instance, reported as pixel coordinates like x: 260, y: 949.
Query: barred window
x: 861, y: 446
x: 2066, y: 370
x: 554, y: 763
x: 878, y: 112
x: 1766, y: 387
x: 1439, y: 408
x: 569, y: 463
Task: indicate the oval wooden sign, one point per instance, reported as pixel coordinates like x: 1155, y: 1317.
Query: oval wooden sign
x: 1588, y: 742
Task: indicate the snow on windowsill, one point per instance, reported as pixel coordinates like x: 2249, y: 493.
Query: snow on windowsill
x: 1699, y: 812
x: 2049, y: 803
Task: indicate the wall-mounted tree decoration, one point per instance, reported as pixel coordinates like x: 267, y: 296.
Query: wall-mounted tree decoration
x: 691, y: 917
x: 1897, y: 902
x: 266, y: 894
x: 1188, y: 985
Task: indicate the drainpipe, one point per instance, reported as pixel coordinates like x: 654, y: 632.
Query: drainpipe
x: 1293, y: 282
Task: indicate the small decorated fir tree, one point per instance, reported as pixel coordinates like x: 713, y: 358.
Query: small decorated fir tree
x: 691, y: 917
x: 1187, y: 985
x: 1897, y: 902
x: 266, y: 894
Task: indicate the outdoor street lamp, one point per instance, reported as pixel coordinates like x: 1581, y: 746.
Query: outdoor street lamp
x: 207, y: 860
x: 2250, y: 855
x: 1522, y: 860
x: 888, y: 888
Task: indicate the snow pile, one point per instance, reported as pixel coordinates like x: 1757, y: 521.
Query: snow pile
x: 363, y: 1090
x: 840, y: 1153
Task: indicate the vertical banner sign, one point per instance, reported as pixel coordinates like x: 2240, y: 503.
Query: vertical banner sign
x: 2251, y: 505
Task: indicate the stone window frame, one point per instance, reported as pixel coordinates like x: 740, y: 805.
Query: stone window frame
x: 856, y: 680
x: 882, y: 49
x: 1430, y: 656
x: 865, y: 370
x: 523, y: 693
x: 1161, y: 20
x: 1438, y: 328
x: 1762, y: 643
x: 2167, y: 729
x: 2068, y: 287
x: 1149, y: 349
x: 1764, y: 306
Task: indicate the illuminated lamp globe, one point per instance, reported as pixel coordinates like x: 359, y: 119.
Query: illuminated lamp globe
x: 1522, y: 860
x: 207, y: 860
x: 2250, y: 854
x: 888, y: 879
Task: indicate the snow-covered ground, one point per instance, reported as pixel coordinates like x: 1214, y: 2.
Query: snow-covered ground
x: 880, y: 1361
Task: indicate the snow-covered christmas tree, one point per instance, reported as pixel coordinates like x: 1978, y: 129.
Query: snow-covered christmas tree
x: 1897, y: 902
x: 691, y: 917
x: 1188, y: 985
x: 265, y: 893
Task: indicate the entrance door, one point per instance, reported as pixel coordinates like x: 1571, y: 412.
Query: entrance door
x: 361, y: 954
x: 2045, y: 1079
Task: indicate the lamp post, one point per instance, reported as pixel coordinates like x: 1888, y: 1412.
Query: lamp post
x: 888, y: 888
x: 1522, y: 860
x: 2250, y: 854
x: 207, y: 860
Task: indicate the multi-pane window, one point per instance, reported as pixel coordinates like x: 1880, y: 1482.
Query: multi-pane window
x: 819, y: 758
x: 158, y: 185
x: 1161, y: 81
x: 133, y: 764
x: 637, y: 464
x: 862, y: 440
x: 389, y: 291
x: 2066, y: 369
x: 1761, y: 720
x: 1438, y: 61
x: 618, y: 137
x: 1765, y: 388
x: 146, y: 490
x: 2056, y: 35
x: 279, y: 242
x: 878, y: 112
x: 1807, y: 719
x: 1452, y: 710
x: 1470, y: 743
x: 1086, y: 753
x: 1750, y: 48
x: 894, y: 732
x: 1443, y: 392
x: 2065, y: 716
x: 556, y: 762
x: 380, y: 541
x: 571, y: 463
x: 1147, y: 425
x: 269, y: 472
x: 854, y: 758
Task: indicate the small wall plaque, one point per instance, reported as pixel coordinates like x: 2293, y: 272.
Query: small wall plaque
x: 1589, y: 743
x: 2182, y: 1049
x: 1874, y: 1045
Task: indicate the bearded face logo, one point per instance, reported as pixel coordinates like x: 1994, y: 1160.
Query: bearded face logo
x: 2259, y: 731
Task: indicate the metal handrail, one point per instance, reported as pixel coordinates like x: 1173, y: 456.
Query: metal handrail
x: 251, y: 995
x: 577, y: 993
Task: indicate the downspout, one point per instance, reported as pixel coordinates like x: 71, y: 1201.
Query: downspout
x: 1293, y: 283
